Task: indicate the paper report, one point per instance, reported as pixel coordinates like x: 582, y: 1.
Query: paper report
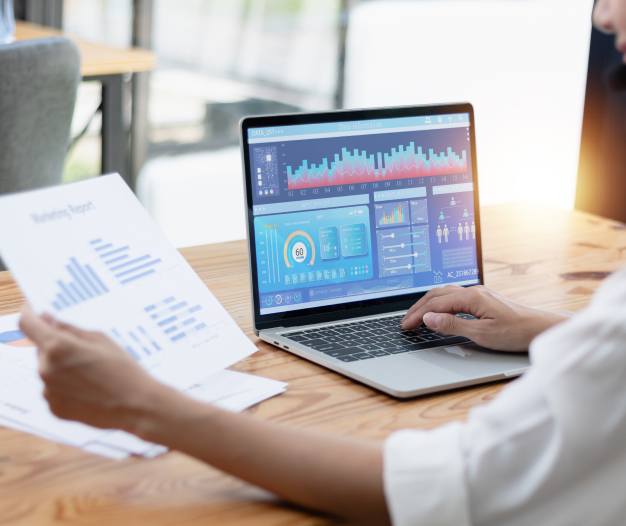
x: 89, y: 254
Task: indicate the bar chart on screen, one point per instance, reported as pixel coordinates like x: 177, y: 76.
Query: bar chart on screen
x: 360, y: 166
x: 390, y: 214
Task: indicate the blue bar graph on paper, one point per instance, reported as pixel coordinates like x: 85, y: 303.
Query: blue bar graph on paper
x: 137, y: 341
x: 123, y: 262
x: 175, y: 318
x: 81, y: 283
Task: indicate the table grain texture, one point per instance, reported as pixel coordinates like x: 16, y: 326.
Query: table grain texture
x: 537, y: 255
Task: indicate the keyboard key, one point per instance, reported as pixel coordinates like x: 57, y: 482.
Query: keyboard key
x: 343, y: 352
x: 416, y: 339
x: 344, y: 330
x: 333, y: 339
x: 348, y: 359
x: 357, y: 340
x: 430, y: 337
x: 388, y: 345
x: 369, y: 347
x: 380, y: 339
x: 298, y: 337
x: 423, y: 330
x: 380, y: 353
x: 398, y: 350
x: 362, y: 356
x: 321, y: 345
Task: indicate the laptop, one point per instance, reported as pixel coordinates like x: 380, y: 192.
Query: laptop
x: 352, y: 217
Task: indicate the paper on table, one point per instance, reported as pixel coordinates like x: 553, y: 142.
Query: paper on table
x: 24, y: 408
x: 89, y: 253
x: 92, y: 447
x: 230, y: 390
x: 21, y: 398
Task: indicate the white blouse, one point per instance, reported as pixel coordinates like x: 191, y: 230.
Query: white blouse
x: 550, y: 449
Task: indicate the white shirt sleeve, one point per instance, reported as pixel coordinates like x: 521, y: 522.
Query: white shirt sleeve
x: 423, y: 473
x: 549, y: 450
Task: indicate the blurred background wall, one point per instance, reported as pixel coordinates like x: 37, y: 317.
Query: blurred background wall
x: 522, y: 63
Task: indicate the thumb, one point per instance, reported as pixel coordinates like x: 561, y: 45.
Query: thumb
x: 72, y: 329
x: 450, y: 324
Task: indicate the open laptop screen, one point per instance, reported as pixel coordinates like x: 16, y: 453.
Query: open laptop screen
x: 353, y: 211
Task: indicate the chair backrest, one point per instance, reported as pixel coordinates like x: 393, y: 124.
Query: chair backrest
x: 38, y: 83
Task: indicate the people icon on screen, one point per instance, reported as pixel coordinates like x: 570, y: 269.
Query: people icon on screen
x: 441, y: 216
x: 467, y: 231
x: 446, y: 232
x: 453, y: 202
x: 460, y: 232
x: 439, y: 233
x: 465, y: 214
x: 473, y: 229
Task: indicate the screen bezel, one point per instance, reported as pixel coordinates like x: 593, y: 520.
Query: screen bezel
x: 356, y: 308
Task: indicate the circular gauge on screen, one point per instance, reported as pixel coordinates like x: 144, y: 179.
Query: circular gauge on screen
x: 299, y: 249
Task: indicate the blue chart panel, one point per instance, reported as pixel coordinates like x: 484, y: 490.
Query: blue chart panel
x: 177, y: 319
x: 83, y: 285
x: 419, y: 211
x: 319, y: 247
x: 403, y: 251
x: 125, y: 268
x: 137, y: 342
x: 329, y: 242
x: 353, y: 240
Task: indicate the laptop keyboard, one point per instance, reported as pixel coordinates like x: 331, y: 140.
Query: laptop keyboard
x: 367, y: 339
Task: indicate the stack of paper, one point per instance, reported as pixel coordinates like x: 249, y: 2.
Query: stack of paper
x: 23, y: 407
x: 91, y: 255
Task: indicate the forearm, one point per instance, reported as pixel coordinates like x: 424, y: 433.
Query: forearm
x: 339, y: 475
x: 541, y: 321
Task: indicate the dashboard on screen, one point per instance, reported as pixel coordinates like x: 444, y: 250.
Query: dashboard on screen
x: 346, y: 212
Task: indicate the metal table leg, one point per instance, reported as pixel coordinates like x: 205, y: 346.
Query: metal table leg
x: 114, y: 140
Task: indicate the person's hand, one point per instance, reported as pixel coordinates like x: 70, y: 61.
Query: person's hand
x: 501, y: 323
x: 87, y: 376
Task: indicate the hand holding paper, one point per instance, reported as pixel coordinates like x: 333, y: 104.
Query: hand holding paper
x: 88, y: 377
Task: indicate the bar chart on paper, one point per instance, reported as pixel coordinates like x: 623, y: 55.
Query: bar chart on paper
x: 81, y: 284
x: 121, y: 261
x: 177, y: 320
x: 136, y: 341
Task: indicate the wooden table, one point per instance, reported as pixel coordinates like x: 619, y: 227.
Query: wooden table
x: 107, y: 65
x: 540, y: 256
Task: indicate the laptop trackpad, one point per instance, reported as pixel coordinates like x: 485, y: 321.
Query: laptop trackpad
x: 472, y: 361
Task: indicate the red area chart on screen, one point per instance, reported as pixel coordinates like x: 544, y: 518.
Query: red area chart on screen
x: 15, y: 339
x: 359, y: 167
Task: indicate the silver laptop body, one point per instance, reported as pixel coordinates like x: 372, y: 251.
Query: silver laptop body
x: 352, y: 217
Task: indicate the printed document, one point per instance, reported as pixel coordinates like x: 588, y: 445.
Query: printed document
x: 89, y: 254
